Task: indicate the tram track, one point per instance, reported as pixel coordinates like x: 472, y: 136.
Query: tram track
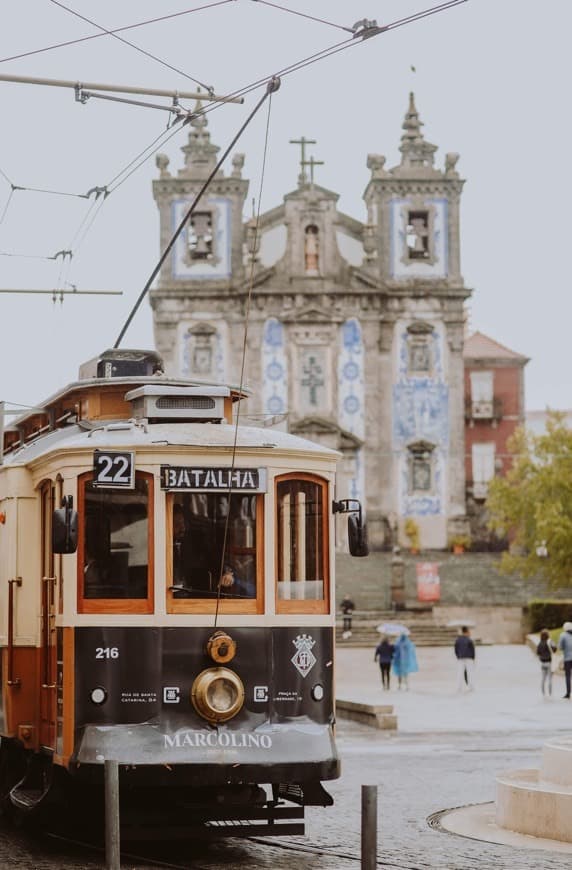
x: 153, y: 861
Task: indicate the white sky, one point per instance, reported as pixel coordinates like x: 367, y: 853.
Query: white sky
x: 491, y: 83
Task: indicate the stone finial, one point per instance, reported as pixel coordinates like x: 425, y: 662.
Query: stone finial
x: 369, y: 242
x: 162, y: 162
x: 252, y: 241
x: 237, y: 164
x: 450, y: 163
x: 200, y: 153
x: 415, y: 151
x: 376, y: 163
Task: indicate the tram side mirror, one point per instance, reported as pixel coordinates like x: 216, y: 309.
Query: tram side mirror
x: 64, y: 527
x: 357, y: 531
x: 357, y: 536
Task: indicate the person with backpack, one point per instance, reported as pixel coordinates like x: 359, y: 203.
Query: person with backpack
x: 545, y: 650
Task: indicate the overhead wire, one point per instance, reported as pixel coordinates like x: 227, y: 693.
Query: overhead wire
x: 136, y: 47
x: 114, y: 31
x: 303, y: 15
x: 357, y: 39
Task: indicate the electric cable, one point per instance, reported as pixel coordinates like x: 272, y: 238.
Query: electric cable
x: 303, y: 15
x: 243, y: 359
x: 358, y: 39
x: 208, y: 88
x: 10, y: 195
x: 115, y: 30
x: 272, y: 86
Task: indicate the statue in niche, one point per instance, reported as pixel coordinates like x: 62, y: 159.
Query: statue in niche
x: 200, y: 353
x: 311, y: 249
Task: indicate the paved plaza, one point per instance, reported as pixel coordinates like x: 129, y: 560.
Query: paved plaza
x: 445, y: 754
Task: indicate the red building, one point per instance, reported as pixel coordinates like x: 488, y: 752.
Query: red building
x: 494, y: 408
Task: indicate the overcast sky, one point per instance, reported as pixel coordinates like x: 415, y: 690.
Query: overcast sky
x: 491, y: 82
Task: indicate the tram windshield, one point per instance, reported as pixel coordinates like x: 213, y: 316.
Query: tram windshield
x: 115, y: 542
x: 214, y: 545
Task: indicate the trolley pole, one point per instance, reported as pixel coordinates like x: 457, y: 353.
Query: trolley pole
x: 368, y: 827
x: 112, y: 840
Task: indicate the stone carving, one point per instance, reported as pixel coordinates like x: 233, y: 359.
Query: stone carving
x: 237, y: 164
x: 162, y: 162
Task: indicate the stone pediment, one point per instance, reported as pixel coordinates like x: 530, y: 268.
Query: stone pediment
x: 311, y: 314
x: 322, y: 430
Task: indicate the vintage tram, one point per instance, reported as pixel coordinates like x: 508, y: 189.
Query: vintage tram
x: 166, y: 601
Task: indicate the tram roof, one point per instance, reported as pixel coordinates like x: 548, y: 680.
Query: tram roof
x: 155, y: 436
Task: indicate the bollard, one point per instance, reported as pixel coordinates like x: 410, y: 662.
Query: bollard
x: 112, y: 844
x: 368, y: 827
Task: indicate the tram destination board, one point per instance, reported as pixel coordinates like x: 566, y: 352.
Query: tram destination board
x: 208, y: 479
x: 114, y: 469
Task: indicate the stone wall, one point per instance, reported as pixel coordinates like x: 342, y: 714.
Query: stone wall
x: 467, y: 580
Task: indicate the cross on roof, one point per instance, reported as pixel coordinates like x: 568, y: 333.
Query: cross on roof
x: 311, y: 163
x: 302, y: 142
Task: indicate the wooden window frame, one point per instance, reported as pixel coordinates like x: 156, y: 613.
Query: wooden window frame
x: 305, y: 606
x: 209, y: 605
x: 117, y: 605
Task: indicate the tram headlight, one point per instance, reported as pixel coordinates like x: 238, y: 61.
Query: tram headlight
x: 217, y: 694
x: 98, y: 695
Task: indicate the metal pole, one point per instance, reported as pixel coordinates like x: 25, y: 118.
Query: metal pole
x: 205, y: 96
x: 368, y: 827
x: 112, y: 841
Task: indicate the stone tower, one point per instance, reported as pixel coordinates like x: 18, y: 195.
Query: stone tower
x: 413, y: 215
x: 355, y: 331
x: 204, y: 272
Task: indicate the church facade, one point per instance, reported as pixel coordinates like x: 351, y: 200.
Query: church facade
x: 355, y: 329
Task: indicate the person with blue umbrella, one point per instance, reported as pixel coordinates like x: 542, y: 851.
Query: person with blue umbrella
x: 404, y: 660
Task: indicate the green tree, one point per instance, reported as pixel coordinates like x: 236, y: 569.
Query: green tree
x: 532, y: 505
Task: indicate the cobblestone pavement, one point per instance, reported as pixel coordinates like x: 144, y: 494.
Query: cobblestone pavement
x: 418, y: 771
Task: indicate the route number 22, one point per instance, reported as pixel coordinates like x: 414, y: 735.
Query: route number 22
x: 114, y: 470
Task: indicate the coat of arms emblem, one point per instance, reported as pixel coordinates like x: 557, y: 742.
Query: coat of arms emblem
x: 304, y: 659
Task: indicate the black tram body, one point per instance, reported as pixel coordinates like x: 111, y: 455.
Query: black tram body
x: 167, y: 601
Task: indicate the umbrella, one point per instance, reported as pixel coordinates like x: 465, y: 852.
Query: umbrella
x: 392, y: 628
x: 460, y: 623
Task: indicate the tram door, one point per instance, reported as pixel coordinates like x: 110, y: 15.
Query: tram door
x: 48, y: 638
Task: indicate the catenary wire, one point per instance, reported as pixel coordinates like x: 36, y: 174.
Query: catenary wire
x: 324, y: 53
x: 136, y: 47
x: 114, y: 31
x: 303, y: 15
x: 357, y: 39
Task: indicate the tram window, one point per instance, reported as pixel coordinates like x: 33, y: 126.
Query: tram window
x: 213, y: 539
x: 302, y: 540
x: 115, y: 545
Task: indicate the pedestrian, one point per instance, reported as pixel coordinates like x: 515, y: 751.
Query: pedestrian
x: 565, y: 644
x: 384, y: 654
x: 465, y: 652
x: 347, y: 608
x: 404, y: 661
x: 544, y: 651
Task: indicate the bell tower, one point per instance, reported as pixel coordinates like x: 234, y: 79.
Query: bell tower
x: 413, y: 237
x: 206, y: 262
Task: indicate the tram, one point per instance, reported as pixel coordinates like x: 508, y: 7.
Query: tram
x: 167, y: 601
